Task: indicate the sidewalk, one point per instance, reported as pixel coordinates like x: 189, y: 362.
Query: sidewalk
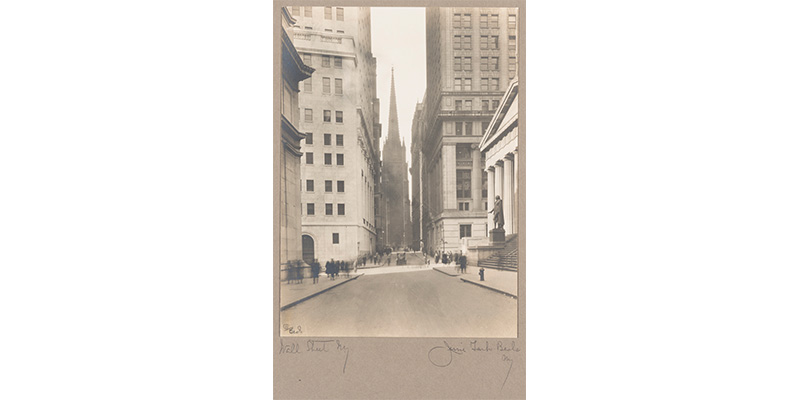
x: 295, y: 293
x: 504, y: 282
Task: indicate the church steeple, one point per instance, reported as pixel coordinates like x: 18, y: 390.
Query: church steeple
x: 394, y: 129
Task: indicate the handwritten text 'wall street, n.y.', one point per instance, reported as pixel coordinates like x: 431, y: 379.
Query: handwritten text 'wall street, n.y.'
x: 329, y: 346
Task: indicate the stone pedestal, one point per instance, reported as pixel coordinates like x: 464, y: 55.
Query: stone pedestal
x: 497, y: 236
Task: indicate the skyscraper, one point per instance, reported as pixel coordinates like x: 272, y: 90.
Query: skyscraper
x: 471, y: 58
x: 340, y: 117
x: 394, y: 181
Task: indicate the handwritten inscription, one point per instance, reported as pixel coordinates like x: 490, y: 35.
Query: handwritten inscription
x: 443, y: 355
x: 317, y: 346
x: 292, y: 330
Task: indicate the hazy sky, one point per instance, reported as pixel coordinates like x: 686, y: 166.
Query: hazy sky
x: 398, y: 39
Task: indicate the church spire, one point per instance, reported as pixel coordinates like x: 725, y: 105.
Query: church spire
x: 394, y: 129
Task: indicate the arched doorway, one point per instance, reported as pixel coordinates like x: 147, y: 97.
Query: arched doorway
x: 308, y: 249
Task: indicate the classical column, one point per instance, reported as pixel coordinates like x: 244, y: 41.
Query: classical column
x: 499, y: 190
x: 508, y: 189
x: 477, y: 179
x: 448, y: 189
x: 490, y: 199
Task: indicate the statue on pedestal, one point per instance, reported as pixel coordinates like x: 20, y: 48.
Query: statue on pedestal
x: 498, y: 213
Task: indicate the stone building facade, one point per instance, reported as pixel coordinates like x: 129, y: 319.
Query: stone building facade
x: 394, y: 182
x: 339, y: 113
x: 471, y: 58
x: 417, y: 233
x: 293, y: 72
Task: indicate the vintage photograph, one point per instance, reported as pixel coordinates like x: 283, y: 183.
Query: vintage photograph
x: 399, y: 172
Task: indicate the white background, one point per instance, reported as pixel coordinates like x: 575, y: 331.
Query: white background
x: 135, y: 203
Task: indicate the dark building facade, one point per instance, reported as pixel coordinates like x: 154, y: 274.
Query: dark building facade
x: 394, y: 182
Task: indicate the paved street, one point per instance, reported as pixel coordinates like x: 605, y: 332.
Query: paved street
x: 417, y: 303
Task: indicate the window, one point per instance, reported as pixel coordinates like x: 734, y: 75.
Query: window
x: 329, y: 30
x: 307, y: 85
x: 495, y: 104
x: 468, y: 105
x: 468, y: 128
x: 457, y: 84
x: 339, y: 14
x: 457, y: 42
x: 494, y: 21
x: 465, y: 231
x: 326, y: 61
x: 307, y: 60
x: 466, y: 42
x: 457, y: 64
x: 310, y: 208
x: 459, y: 128
x: 494, y: 42
x: 458, y: 105
x: 340, y: 210
x: 340, y: 186
x: 467, y: 63
x: 337, y: 61
x: 484, y: 105
x: 484, y: 127
x: 328, y: 186
x: 456, y: 20
x: 512, y: 43
x: 326, y: 85
x: 338, y: 86
x: 484, y: 84
x: 495, y: 84
x: 326, y: 116
x: 309, y: 185
x: 467, y: 84
x: 466, y: 21
x: 494, y: 64
x: 329, y: 209
x: 307, y: 11
x: 328, y: 158
x: 484, y: 63
x: 463, y: 206
x: 309, y: 138
x: 463, y: 183
x: 326, y: 139
x: 308, y: 28
x: 340, y: 159
x: 484, y: 42
x: 464, y: 152
x: 328, y: 13
x: 512, y: 67
x: 309, y: 158
x: 484, y: 21
x: 485, y: 184
x: 296, y: 11
x: 339, y: 117
x: 309, y: 115
x: 512, y: 21
x: 339, y: 31
x: 335, y: 238
x: 340, y: 140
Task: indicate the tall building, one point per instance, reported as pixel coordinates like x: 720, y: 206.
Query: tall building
x: 471, y: 58
x: 417, y: 237
x: 340, y: 117
x: 394, y: 181
x: 293, y: 71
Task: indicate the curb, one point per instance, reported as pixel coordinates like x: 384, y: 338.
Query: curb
x: 489, y: 287
x: 446, y: 273
x: 296, y: 302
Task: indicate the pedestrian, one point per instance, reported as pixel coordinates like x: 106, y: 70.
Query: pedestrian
x: 315, y: 271
x: 437, y: 257
x: 300, y: 271
x: 463, y: 264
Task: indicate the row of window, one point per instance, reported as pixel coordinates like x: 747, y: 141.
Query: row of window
x: 486, y: 21
x: 308, y: 59
x: 465, y: 128
x: 465, y: 84
x: 466, y: 105
x: 328, y: 209
x: 328, y: 158
x: 326, y: 85
x: 309, y: 12
x: 328, y: 186
x: 326, y: 116
x: 464, y: 42
x: 464, y: 186
x: 326, y: 139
